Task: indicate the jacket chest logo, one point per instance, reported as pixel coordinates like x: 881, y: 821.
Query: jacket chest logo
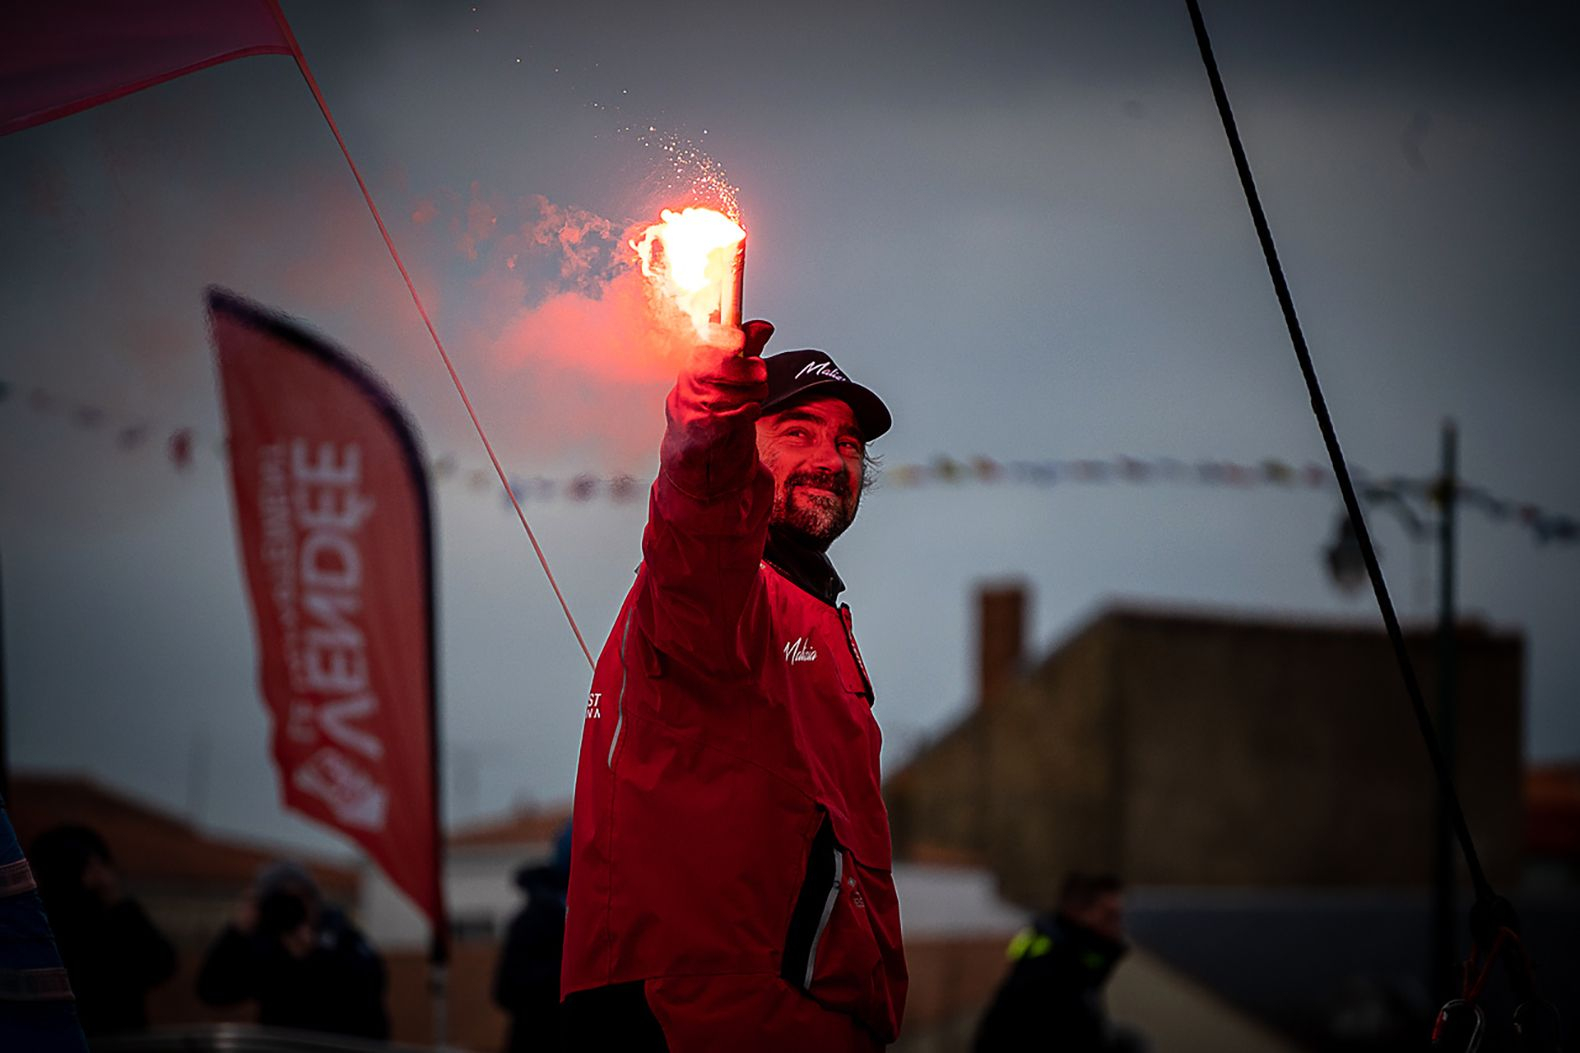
x: 800, y: 650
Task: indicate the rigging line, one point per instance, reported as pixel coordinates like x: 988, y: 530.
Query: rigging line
x: 1445, y: 782
x: 389, y: 243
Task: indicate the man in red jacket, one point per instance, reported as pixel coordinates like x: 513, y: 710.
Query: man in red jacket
x: 731, y: 885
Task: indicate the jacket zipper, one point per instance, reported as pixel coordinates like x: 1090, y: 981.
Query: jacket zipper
x: 850, y: 641
x: 814, y: 906
x: 828, y: 912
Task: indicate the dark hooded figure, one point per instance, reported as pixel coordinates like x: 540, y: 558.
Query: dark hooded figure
x: 302, y: 959
x: 112, y: 952
x: 527, y: 981
x: 1053, y: 995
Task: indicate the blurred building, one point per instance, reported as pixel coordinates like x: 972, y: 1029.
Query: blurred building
x: 1184, y: 748
x: 1261, y: 785
x: 189, y: 880
x: 481, y: 860
x: 480, y: 863
x: 192, y: 881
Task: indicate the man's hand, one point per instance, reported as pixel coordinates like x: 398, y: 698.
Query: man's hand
x: 710, y: 446
x: 724, y: 378
x: 755, y: 335
x: 746, y: 342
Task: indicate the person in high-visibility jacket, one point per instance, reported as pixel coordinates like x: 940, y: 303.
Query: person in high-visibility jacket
x: 1052, y: 997
x: 731, y: 881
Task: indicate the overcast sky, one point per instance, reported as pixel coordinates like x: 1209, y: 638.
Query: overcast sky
x: 1020, y: 224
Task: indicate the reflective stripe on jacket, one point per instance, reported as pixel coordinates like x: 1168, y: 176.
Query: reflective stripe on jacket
x: 730, y: 844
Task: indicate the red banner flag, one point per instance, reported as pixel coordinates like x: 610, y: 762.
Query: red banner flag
x: 61, y: 56
x: 333, y: 521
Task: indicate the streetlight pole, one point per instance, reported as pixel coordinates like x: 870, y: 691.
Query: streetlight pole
x: 1445, y: 949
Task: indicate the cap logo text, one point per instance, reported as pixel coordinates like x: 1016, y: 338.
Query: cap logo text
x: 824, y: 368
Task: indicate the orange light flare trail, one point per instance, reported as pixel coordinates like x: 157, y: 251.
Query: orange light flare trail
x: 694, y: 259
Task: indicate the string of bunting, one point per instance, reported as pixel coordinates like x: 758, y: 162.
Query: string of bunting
x: 182, y: 444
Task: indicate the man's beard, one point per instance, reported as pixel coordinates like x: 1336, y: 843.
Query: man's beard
x: 818, y: 518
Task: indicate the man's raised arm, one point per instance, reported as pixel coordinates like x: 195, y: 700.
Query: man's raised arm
x: 708, y: 516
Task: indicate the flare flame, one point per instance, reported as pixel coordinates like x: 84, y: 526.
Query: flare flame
x: 694, y: 259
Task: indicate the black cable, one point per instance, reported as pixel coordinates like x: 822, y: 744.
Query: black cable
x: 1445, y: 782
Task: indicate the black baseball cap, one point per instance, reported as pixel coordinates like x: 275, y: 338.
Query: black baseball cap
x: 794, y: 375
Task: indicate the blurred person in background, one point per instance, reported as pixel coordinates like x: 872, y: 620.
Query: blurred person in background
x: 302, y: 960
x: 1053, y: 995
x: 113, y: 953
x: 527, y: 980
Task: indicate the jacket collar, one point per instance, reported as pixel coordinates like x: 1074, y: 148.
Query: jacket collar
x: 804, y: 565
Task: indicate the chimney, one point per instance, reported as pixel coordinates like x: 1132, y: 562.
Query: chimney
x: 1001, y: 628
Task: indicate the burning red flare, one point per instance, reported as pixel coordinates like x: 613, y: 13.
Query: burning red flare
x: 694, y: 258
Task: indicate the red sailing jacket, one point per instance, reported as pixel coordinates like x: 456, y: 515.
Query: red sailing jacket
x: 730, y: 847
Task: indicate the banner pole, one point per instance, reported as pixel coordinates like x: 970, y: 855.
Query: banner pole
x: 439, y: 993
x: 439, y: 946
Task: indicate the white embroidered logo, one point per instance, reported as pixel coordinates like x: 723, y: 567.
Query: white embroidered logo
x: 824, y: 368
x: 800, y: 650
x: 592, y: 706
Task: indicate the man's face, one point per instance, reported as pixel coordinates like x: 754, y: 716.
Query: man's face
x: 98, y: 878
x: 1105, y: 916
x: 299, y: 942
x: 814, y: 450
